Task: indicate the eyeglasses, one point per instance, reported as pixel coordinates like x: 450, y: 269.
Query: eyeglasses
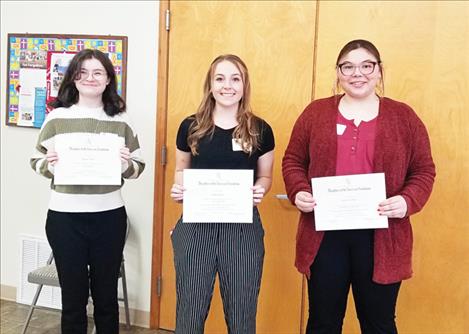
x: 97, y: 75
x: 365, y: 68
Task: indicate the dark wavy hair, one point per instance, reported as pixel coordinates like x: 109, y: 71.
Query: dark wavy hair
x: 68, y: 94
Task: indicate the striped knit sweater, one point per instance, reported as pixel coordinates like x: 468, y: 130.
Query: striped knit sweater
x: 62, y: 122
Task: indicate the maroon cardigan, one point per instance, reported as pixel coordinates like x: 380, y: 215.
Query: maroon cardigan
x: 402, y: 152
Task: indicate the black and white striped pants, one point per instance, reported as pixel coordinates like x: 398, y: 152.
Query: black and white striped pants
x: 236, y: 253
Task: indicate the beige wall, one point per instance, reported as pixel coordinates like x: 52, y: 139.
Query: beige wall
x: 24, y: 194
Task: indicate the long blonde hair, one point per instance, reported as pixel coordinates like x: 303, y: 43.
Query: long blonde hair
x: 246, y: 132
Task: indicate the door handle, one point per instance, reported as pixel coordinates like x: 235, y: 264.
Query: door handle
x: 282, y: 196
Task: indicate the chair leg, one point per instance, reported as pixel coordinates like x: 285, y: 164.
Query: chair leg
x: 126, y: 300
x: 33, y: 305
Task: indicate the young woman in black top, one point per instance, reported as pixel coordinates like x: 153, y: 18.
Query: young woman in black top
x: 223, y: 134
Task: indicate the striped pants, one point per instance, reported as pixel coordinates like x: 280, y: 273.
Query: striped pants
x: 236, y: 253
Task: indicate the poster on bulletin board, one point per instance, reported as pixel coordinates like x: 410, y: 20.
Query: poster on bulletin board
x: 36, y: 66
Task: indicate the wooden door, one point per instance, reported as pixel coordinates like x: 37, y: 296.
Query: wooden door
x: 424, y: 46
x: 276, y: 40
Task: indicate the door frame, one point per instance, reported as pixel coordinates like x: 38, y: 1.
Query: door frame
x: 160, y: 162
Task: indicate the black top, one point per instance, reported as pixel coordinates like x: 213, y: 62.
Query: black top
x: 217, y: 152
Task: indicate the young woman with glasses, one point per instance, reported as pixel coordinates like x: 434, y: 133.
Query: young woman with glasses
x: 86, y: 223
x: 358, y: 132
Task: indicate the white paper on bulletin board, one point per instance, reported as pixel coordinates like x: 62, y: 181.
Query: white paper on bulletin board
x: 31, y: 79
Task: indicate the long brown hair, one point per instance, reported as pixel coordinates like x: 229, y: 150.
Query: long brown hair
x: 368, y: 46
x: 246, y: 132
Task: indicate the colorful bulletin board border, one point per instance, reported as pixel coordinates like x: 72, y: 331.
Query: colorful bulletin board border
x: 36, y: 65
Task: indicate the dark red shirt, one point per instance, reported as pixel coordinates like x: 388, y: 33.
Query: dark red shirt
x: 355, y: 146
x: 402, y: 152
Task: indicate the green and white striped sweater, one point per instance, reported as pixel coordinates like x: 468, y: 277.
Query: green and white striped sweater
x: 63, y: 122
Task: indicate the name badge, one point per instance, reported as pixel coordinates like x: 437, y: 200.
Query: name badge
x: 341, y: 129
x: 236, y: 145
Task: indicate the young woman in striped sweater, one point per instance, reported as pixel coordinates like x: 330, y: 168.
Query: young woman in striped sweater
x: 86, y: 224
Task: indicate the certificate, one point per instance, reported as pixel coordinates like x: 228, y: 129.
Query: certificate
x: 88, y: 160
x: 349, y: 202
x: 217, y: 196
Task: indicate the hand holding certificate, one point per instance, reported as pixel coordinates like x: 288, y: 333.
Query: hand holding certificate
x: 217, y: 196
x: 349, y: 202
x: 88, y: 160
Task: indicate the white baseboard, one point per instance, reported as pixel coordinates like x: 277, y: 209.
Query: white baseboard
x: 137, y: 317
x: 8, y: 292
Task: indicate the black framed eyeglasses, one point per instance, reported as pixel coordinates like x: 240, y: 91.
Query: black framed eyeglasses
x: 365, y: 68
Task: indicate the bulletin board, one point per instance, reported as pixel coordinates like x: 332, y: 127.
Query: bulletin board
x: 36, y: 66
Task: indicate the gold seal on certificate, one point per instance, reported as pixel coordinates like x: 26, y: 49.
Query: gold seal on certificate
x: 217, y: 196
x: 349, y: 202
x: 88, y: 160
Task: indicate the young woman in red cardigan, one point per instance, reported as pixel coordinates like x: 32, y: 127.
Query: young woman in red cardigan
x: 358, y: 132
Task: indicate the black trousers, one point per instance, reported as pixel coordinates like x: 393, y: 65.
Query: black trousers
x: 346, y: 258
x: 87, y: 250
